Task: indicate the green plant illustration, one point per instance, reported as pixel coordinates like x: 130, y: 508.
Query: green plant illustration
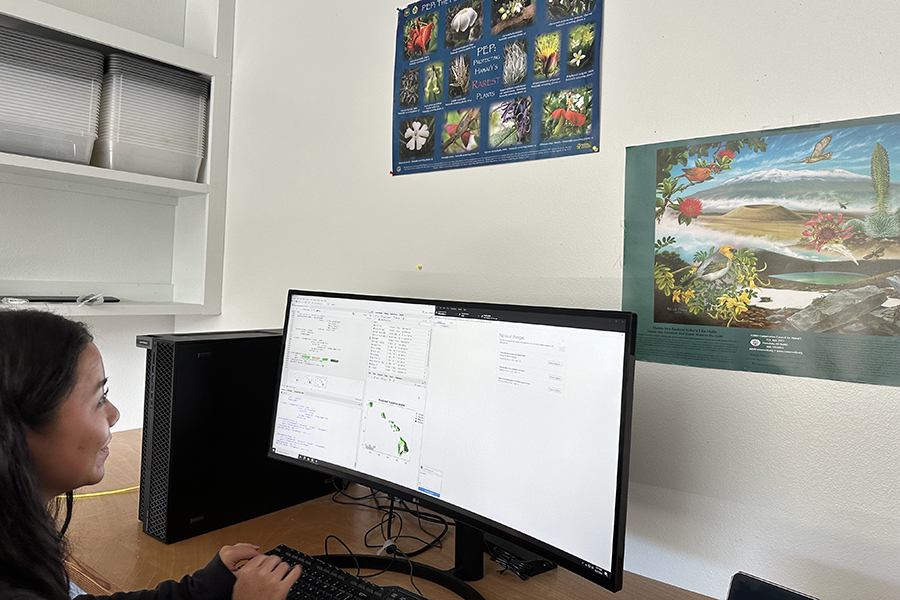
x: 546, y: 55
x: 881, y: 223
x: 510, y: 122
x: 434, y: 82
x: 665, y: 262
x: 724, y: 293
x: 459, y: 76
x: 509, y: 15
x: 560, y: 9
x: 581, y: 48
x: 409, y: 87
x: 515, y: 62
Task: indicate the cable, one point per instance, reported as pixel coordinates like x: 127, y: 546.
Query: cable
x: 350, y: 552
x: 373, y: 495
x: 437, y: 538
x: 109, y: 493
x: 342, y: 491
x: 386, y: 518
x: 388, y: 514
x: 353, y: 554
x: 410, y: 563
x: 390, y: 539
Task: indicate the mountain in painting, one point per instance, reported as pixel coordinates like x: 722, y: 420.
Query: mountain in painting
x: 800, y: 190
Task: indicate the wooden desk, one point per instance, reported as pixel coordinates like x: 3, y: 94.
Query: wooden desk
x: 111, y: 553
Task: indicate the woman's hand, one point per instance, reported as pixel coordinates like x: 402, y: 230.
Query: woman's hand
x: 264, y: 578
x: 232, y: 556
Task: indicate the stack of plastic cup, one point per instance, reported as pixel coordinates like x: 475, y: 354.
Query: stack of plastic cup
x: 153, y: 119
x: 49, y: 97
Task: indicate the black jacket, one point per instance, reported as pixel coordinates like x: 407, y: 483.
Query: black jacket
x: 212, y: 582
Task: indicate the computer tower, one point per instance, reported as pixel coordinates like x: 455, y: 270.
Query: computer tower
x: 208, y: 409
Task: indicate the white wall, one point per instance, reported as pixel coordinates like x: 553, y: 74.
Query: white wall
x: 124, y: 361
x: 161, y: 19
x: 795, y: 480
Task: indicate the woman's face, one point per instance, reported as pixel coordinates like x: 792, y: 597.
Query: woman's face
x: 72, y: 452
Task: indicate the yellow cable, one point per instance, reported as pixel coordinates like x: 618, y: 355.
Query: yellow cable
x: 129, y: 489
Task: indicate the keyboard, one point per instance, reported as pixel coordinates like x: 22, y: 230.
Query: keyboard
x: 322, y: 581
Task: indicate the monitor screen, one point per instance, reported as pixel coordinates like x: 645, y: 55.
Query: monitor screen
x: 512, y: 419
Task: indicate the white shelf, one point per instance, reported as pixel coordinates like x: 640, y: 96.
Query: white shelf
x: 123, y: 308
x: 54, y: 173
x: 157, y: 243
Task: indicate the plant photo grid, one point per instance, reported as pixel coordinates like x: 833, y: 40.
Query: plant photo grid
x: 495, y: 82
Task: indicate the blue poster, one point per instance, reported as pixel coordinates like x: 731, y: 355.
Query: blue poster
x: 482, y: 82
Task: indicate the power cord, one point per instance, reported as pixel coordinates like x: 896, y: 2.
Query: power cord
x: 389, y: 514
x: 524, y: 564
x: 388, y: 546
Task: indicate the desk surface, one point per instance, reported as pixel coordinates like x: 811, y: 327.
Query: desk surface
x: 111, y: 553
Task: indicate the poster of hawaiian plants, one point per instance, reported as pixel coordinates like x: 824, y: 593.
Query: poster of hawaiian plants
x: 775, y: 251
x: 481, y: 82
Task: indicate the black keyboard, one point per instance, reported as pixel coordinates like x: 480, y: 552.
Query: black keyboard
x: 322, y: 581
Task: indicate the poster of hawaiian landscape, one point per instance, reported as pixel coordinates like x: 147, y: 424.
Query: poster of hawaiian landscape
x: 481, y: 82
x: 774, y: 251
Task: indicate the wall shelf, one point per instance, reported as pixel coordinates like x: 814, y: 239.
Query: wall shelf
x: 39, y: 172
x: 156, y: 243
x: 119, y: 309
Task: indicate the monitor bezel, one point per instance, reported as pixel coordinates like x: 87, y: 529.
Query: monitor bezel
x: 482, y: 523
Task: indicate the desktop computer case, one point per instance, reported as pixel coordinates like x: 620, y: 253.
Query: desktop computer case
x: 208, y: 409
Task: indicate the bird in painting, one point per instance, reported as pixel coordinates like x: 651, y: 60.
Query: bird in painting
x: 817, y: 154
x: 696, y: 174
x: 715, y: 266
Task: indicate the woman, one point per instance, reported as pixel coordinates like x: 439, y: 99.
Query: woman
x: 55, y: 421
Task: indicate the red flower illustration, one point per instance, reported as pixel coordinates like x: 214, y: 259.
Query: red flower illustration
x: 825, y: 230
x: 725, y: 152
x: 419, y: 37
x: 690, y: 207
x: 571, y: 116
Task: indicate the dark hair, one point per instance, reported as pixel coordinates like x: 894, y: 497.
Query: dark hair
x: 39, y: 353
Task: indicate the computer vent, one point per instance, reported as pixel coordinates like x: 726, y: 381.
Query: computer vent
x: 160, y: 414
x: 145, y: 438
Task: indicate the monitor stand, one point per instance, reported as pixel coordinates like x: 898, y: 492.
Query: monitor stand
x: 469, y: 564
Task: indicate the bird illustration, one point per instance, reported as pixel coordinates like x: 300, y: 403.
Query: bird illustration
x: 696, y: 174
x: 715, y: 266
x: 842, y: 205
x: 817, y: 155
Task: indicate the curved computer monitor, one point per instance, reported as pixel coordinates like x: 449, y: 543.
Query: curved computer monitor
x: 514, y: 420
